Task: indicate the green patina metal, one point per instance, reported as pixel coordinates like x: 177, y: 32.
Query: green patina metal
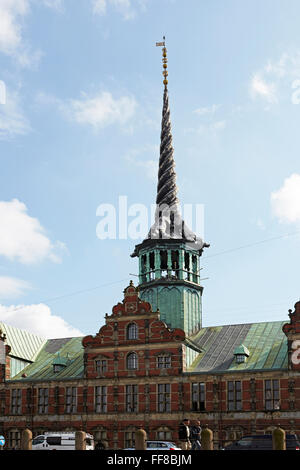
x: 24, y: 345
x: 179, y: 303
x: 265, y: 345
x: 210, y: 350
x: 66, y: 352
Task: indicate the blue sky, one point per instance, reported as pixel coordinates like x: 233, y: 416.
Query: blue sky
x: 80, y: 126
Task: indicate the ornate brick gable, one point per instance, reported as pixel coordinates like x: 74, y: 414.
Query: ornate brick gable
x: 106, y: 353
x: 292, y: 331
x: 132, y: 309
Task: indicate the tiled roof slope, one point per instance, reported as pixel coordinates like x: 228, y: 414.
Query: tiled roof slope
x: 24, y: 345
x: 266, y: 343
x: 42, y: 368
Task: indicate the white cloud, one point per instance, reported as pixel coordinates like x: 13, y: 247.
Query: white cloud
x: 97, y: 111
x: 101, y: 110
x: 218, y: 125
x: 274, y: 80
x: 208, y: 110
x: 11, y: 14
x: 286, y: 201
x: 99, y: 7
x: 54, y: 4
x: 123, y: 7
x: 22, y: 237
x: 12, y: 42
x: 210, y: 129
x: 12, y: 119
x: 12, y: 287
x: 266, y: 90
x: 149, y: 166
x: 39, y: 320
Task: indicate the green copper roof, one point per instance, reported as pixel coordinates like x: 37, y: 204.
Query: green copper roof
x: 265, y: 342
x: 23, y: 345
x: 42, y: 368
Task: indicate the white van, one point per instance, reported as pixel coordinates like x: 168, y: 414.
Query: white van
x: 60, y: 441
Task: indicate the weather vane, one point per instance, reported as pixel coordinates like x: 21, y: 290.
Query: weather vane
x: 165, y: 60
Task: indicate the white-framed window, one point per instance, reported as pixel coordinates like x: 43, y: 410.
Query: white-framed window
x: 132, y: 361
x: 198, y: 396
x: 164, y: 397
x: 16, y: 401
x: 272, y: 398
x: 101, y: 399
x: 164, y: 434
x: 129, y: 438
x: 43, y: 400
x: 14, y: 439
x: 163, y: 361
x: 132, y: 331
x: 100, y: 435
x: 101, y: 366
x: 131, y: 398
x: 234, y: 395
x: 71, y: 399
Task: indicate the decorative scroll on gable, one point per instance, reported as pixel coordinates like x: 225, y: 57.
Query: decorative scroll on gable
x: 132, y: 304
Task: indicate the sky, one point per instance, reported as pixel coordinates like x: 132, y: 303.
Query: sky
x: 80, y: 114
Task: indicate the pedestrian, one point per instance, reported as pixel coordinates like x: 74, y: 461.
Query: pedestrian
x: 184, y: 434
x: 196, y: 435
x: 100, y: 446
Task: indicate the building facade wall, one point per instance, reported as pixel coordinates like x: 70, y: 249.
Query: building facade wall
x: 115, y: 397
x: 116, y: 421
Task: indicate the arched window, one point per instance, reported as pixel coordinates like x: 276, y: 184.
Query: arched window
x: 132, y: 331
x: 132, y: 361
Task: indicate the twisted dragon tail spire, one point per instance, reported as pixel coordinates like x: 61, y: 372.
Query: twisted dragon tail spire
x: 166, y: 188
x: 168, y: 221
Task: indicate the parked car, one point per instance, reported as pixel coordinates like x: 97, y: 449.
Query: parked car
x: 59, y: 441
x: 158, y: 445
x: 262, y: 442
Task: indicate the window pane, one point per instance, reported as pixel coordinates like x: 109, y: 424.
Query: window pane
x: 132, y: 361
x: 268, y: 384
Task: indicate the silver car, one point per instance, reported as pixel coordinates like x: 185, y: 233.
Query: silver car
x: 158, y: 445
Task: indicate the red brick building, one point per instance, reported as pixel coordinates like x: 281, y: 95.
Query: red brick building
x: 152, y: 363
x: 133, y: 373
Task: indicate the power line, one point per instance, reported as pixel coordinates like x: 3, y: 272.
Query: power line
x: 252, y: 244
x: 53, y: 299
x: 251, y: 308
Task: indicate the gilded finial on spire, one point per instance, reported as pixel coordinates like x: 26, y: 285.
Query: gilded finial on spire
x: 164, y: 60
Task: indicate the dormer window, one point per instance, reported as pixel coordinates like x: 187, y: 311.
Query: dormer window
x: 60, y: 363
x: 241, y: 354
x: 57, y: 368
x: 132, y: 331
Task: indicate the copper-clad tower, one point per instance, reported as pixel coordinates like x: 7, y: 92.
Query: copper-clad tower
x: 169, y: 258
